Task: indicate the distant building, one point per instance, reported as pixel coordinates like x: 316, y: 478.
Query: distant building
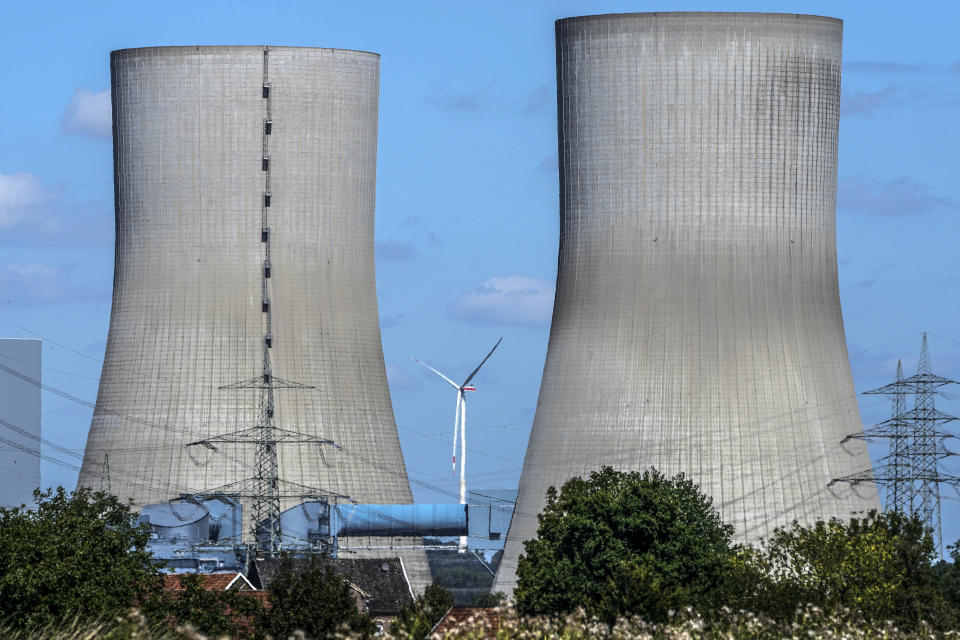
x: 19, y: 420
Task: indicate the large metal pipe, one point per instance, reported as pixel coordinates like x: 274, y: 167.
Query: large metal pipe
x: 399, y: 520
x: 697, y: 323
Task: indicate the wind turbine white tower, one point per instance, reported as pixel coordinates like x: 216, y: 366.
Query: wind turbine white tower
x: 460, y: 427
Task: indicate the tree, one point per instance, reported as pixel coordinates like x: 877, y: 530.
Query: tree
x: 623, y: 543
x: 216, y: 613
x: 416, y: 619
x: 879, y: 565
x: 490, y: 599
x: 315, y: 600
x: 947, y: 575
x: 76, y: 554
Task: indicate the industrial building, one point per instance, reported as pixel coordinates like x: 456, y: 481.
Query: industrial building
x: 697, y: 324
x: 244, y: 293
x: 20, y: 359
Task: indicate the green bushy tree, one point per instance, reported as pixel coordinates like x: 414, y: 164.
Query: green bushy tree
x: 624, y: 543
x: 73, y: 555
x: 314, y: 600
x: 879, y: 565
x: 947, y: 577
x: 420, y: 616
x: 216, y: 613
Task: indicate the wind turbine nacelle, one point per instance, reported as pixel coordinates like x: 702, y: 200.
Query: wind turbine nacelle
x: 468, y: 388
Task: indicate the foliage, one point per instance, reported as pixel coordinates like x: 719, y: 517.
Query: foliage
x: 809, y: 622
x: 624, y: 543
x: 314, y: 600
x: 417, y: 618
x: 208, y: 611
x: 74, y: 555
x: 947, y: 577
x: 879, y: 565
x: 490, y: 599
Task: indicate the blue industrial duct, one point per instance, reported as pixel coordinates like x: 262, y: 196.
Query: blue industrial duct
x: 399, y: 520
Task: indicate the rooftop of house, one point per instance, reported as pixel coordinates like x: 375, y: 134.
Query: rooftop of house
x: 463, y: 615
x: 382, y: 581
x: 211, y: 581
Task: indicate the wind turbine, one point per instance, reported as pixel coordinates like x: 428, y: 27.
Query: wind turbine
x: 460, y: 427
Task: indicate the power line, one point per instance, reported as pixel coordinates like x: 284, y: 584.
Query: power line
x: 32, y: 436
x: 66, y: 373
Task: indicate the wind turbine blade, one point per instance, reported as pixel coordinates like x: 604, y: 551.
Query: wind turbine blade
x: 456, y: 427
x: 470, y: 377
x: 452, y: 383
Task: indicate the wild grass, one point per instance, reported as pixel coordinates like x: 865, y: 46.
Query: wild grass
x: 725, y: 624
x: 133, y: 626
x: 808, y: 623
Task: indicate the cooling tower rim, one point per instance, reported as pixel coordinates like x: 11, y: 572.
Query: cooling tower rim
x: 719, y: 14
x: 239, y: 48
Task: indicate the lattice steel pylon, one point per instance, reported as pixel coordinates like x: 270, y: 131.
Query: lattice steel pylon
x: 912, y: 470
x: 264, y: 488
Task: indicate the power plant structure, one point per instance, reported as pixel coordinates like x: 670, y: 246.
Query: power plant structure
x: 697, y: 324
x: 20, y: 433
x: 244, y: 355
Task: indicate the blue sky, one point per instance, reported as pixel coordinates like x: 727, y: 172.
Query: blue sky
x: 467, y: 216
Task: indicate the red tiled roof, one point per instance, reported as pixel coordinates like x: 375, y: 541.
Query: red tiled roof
x: 211, y: 581
x: 459, y: 615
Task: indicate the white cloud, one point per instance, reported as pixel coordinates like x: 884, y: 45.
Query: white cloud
x: 904, y: 195
x: 32, y: 213
x: 20, y: 194
x: 864, y: 103
x: 88, y: 114
x: 512, y: 300
x: 35, y: 284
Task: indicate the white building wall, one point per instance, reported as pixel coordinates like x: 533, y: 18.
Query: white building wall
x: 19, y: 411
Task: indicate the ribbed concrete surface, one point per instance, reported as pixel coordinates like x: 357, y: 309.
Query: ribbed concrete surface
x: 187, y: 318
x: 697, y: 323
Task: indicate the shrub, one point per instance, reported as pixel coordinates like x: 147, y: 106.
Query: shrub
x: 879, y: 565
x: 75, y: 555
x: 314, y: 600
x: 417, y: 618
x: 624, y: 543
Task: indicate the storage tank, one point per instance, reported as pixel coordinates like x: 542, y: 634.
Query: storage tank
x: 697, y: 323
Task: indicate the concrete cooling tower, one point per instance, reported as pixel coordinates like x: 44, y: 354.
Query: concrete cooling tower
x: 697, y: 322
x: 244, y: 188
